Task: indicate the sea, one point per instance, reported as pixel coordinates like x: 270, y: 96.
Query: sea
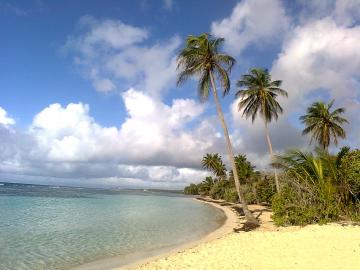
x: 56, y: 227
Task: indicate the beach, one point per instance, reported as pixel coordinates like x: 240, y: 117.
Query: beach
x: 332, y: 246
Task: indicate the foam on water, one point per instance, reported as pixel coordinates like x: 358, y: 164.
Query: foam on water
x: 60, y: 228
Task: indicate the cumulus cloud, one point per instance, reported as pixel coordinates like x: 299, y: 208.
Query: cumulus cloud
x: 115, y: 55
x: 5, y: 119
x: 344, y: 12
x: 252, y: 22
x: 154, y: 145
x: 319, y: 56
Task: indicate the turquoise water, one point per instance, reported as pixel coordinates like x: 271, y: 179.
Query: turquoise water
x: 60, y: 228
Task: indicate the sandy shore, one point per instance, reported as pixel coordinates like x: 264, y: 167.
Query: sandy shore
x: 315, y: 247
x: 232, y: 221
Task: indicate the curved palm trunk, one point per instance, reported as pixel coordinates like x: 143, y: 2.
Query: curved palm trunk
x: 248, y: 215
x: 272, y: 156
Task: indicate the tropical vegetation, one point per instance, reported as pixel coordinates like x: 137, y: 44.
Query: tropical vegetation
x: 258, y: 187
x: 312, y: 186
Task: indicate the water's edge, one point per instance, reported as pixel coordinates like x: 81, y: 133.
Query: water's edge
x: 123, y: 262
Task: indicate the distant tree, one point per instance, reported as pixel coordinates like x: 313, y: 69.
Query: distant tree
x: 258, y: 95
x: 201, y: 58
x: 192, y: 189
x: 205, y: 186
x: 245, y: 169
x: 323, y: 124
x: 214, y: 163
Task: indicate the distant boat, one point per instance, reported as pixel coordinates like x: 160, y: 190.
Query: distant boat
x: 1, y: 184
x: 145, y: 190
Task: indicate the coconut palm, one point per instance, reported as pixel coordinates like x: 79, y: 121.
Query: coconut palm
x: 214, y: 163
x: 258, y: 95
x: 201, y: 58
x: 323, y: 124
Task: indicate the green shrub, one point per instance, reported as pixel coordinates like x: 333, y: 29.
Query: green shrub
x: 298, y: 207
x: 265, y: 190
x: 219, y: 189
x: 350, y: 173
x: 231, y: 195
x: 249, y: 193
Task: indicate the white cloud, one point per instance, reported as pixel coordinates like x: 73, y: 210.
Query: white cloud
x: 153, y: 146
x: 320, y: 55
x: 110, y: 34
x: 114, y: 55
x: 151, y: 128
x: 5, y: 119
x: 344, y: 12
x: 251, y: 22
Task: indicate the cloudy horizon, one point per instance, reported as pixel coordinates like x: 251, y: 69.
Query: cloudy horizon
x: 89, y: 97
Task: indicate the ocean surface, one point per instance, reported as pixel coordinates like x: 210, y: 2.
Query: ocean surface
x: 49, y: 227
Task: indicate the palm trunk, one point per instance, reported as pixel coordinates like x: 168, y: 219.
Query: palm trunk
x: 272, y: 156
x: 248, y: 215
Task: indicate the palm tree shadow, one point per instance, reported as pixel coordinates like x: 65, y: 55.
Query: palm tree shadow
x: 249, y: 226
x: 246, y: 227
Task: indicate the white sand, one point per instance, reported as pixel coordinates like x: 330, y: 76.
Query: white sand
x: 267, y: 248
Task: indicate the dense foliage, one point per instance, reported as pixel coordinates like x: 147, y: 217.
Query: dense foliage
x: 257, y: 188
x: 318, y: 187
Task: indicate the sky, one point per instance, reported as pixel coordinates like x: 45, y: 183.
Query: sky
x: 88, y: 92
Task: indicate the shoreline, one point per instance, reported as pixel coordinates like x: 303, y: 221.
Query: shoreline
x: 231, y: 220
x: 333, y: 246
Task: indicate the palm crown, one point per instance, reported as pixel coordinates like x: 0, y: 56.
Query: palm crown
x: 214, y: 163
x: 324, y: 124
x: 258, y: 95
x: 200, y: 57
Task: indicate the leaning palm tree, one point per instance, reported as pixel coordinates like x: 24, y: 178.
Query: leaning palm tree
x: 214, y: 163
x: 323, y: 124
x: 201, y: 58
x: 258, y: 95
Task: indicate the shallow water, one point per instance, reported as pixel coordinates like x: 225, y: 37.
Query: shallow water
x: 43, y: 227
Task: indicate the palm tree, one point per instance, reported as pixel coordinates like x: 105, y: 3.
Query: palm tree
x: 258, y: 95
x: 214, y: 163
x: 324, y: 124
x: 205, y: 186
x: 201, y: 58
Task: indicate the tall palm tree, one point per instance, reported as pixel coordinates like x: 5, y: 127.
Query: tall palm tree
x: 214, y: 163
x: 201, y: 58
x: 258, y: 95
x: 323, y: 124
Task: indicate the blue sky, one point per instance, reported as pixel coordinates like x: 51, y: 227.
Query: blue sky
x: 34, y: 68
x: 88, y: 93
